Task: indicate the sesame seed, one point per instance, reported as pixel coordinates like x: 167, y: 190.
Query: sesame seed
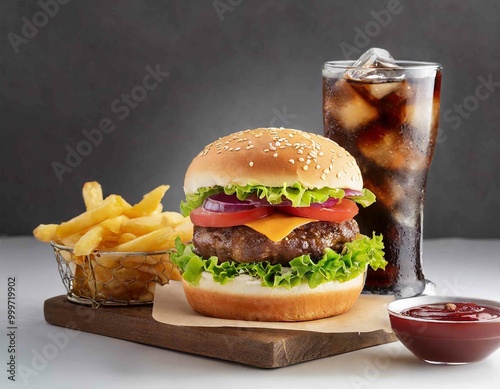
x: 266, y: 150
x: 318, y: 166
x: 250, y: 164
x: 249, y: 147
x: 301, y: 159
x: 308, y: 161
x: 323, y: 177
x: 305, y: 167
x: 300, y: 151
x: 339, y: 175
x: 327, y: 171
x: 320, y: 154
x: 237, y: 149
x: 275, y: 155
x: 278, y: 143
x: 291, y: 161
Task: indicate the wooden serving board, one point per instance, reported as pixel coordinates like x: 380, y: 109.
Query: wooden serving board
x: 259, y: 347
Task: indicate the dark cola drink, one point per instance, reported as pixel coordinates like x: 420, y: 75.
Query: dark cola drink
x: 386, y: 115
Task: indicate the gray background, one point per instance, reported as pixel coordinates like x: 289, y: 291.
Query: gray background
x: 232, y: 65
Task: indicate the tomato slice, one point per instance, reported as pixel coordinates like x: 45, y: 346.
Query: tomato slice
x: 203, y: 218
x: 343, y: 210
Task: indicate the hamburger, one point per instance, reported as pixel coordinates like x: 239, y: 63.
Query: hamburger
x: 274, y: 236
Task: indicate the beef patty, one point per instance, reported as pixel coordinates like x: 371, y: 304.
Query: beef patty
x: 243, y: 244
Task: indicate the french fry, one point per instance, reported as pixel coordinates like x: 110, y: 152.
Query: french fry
x: 114, y: 224
x: 161, y: 267
x: 173, y: 219
x: 92, y: 195
x: 80, y: 285
x: 176, y: 274
x: 94, y: 236
x: 184, y: 231
x: 149, y: 293
x: 71, y: 240
x: 45, y: 232
x: 126, y: 237
x: 149, y: 202
x: 146, y: 224
x: 112, y: 206
x: 90, y: 240
x: 156, y: 240
x: 158, y: 209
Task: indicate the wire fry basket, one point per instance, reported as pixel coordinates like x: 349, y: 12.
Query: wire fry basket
x: 113, y: 278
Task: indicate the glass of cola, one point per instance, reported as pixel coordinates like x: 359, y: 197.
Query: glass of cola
x: 386, y: 113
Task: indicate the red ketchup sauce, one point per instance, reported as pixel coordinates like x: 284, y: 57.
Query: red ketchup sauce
x: 453, y: 312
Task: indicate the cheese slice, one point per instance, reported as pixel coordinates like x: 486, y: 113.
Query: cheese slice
x: 278, y: 225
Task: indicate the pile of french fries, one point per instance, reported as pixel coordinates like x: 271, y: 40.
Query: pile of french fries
x: 114, y: 246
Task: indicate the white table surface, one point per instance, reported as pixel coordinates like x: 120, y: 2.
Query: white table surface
x: 458, y: 267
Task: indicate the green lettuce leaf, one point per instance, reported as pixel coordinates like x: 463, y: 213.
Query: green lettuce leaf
x: 353, y: 261
x: 299, y: 195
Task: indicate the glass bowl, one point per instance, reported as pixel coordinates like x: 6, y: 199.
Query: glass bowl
x: 113, y: 278
x: 445, y: 342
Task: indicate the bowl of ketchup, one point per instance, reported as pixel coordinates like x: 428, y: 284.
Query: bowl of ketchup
x: 447, y: 330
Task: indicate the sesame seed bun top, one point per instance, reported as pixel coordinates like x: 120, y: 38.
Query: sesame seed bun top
x: 273, y: 157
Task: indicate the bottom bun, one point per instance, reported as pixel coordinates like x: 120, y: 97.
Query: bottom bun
x: 243, y: 298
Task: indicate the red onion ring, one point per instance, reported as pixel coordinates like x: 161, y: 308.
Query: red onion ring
x: 327, y: 204
x: 352, y: 192
x: 222, y: 202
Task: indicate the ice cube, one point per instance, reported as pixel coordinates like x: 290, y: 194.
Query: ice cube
x: 382, y: 89
x: 421, y: 119
x: 422, y: 116
x: 348, y: 107
x: 375, y: 65
x: 389, y: 192
x: 373, y: 92
x: 393, y: 106
x: 396, y: 194
x: 375, y: 58
x: 405, y: 217
x: 390, y: 149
